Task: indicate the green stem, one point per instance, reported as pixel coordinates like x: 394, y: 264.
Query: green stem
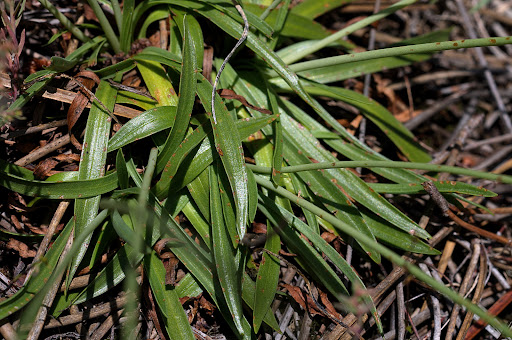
x: 105, y: 24
x: 387, y: 253
x: 64, y: 21
x: 140, y: 218
x: 118, y: 15
x: 386, y: 164
x: 148, y: 176
x: 347, y: 30
x: 397, y: 52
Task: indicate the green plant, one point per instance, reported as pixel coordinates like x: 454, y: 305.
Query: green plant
x: 197, y: 165
x: 11, y: 50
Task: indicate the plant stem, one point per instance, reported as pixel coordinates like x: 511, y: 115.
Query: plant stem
x: 347, y: 30
x: 105, y: 24
x: 387, y: 253
x: 64, y: 21
x: 386, y: 164
x: 118, y: 15
x: 398, y: 51
x: 148, y: 176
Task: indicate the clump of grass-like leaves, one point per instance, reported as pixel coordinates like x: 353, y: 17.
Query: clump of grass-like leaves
x: 196, y: 167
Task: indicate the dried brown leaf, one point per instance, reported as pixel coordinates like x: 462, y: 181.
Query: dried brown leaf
x: 45, y: 167
x: 230, y: 94
x: 88, y: 79
x: 21, y: 248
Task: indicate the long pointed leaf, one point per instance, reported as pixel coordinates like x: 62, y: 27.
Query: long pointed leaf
x: 224, y: 254
x: 228, y: 143
x: 167, y: 299
x: 186, y: 98
x: 92, y: 164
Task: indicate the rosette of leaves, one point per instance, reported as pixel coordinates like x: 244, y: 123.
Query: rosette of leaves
x: 223, y: 175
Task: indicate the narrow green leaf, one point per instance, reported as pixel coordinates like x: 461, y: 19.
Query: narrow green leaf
x: 194, y: 162
x: 158, y: 82
x: 29, y: 314
x: 228, y: 209
x: 224, y: 254
x: 186, y: 98
x: 188, y: 286
x: 302, y: 190
x: 249, y: 293
x: 121, y: 67
x: 56, y: 190
x: 387, y: 233
x: 167, y: 299
x: 144, y: 125
x: 326, y: 192
x: 101, y: 242
x: 324, y: 248
x: 122, y: 172
x: 309, y: 258
x: 200, y: 190
x: 47, y: 265
x: 314, y: 8
x: 64, y: 21
x: 253, y: 195
x: 118, y: 16
x: 6, y: 235
x: 267, y: 279
x: 177, y: 158
x: 228, y: 143
x: 443, y: 187
x: 124, y: 230
x: 201, y: 226
x: 126, y: 97
x: 92, y: 164
x: 295, y: 26
x: 158, y: 13
x: 106, y: 27
x: 381, y: 117
x: 195, y: 33
x: 277, y: 158
x: 161, y: 56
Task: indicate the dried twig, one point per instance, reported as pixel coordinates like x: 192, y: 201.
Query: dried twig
x: 65, y: 96
x: 400, y: 305
x: 41, y: 251
x: 99, y: 310
x: 377, y: 292
x: 495, y: 309
x: 477, y: 296
x: 431, y: 189
x: 40, y: 152
x: 487, y: 73
x: 37, y: 327
x: 463, y: 289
